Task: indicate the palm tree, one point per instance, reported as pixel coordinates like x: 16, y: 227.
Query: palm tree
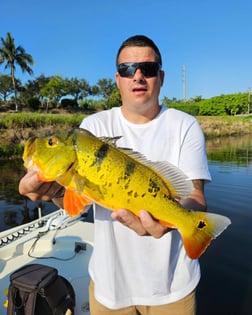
x: 13, y: 55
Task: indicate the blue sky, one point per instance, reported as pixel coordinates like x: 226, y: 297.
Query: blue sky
x: 80, y: 38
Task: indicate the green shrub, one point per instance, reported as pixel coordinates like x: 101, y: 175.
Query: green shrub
x: 33, y: 103
x: 68, y: 103
x: 8, y: 151
x: 192, y: 109
x: 38, y: 120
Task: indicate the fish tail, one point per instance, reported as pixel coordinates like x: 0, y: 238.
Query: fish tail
x: 205, y: 227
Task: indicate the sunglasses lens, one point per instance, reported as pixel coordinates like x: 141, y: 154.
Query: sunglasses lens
x: 126, y: 69
x: 148, y: 69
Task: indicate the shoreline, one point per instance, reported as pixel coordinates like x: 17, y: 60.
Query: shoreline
x: 15, y: 129
x: 225, y: 126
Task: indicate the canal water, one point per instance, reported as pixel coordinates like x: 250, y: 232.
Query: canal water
x: 226, y: 282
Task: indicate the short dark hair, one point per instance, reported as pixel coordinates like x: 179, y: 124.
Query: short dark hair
x: 140, y: 41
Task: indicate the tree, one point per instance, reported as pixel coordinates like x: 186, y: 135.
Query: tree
x: 6, y: 88
x: 53, y: 90
x: 78, y: 88
x: 114, y: 99
x: 35, y: 86
x: 197, y: 98
x: 106, y: 88
x: 13, y: 55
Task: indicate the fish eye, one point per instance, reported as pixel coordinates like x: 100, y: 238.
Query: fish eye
x: 52, y: 141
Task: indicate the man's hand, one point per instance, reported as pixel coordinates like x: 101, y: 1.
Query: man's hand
x: 142, y: 225
x: 35, y: 189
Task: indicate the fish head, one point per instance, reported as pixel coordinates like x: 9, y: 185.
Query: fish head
x: 29, y: 150
x: 51, y: 156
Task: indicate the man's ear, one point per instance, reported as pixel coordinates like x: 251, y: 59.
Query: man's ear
x: 162, y: 75
x: 117, y: 79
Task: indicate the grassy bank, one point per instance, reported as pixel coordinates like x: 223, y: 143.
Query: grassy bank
x: 222, y: 126
x: 15, y: 128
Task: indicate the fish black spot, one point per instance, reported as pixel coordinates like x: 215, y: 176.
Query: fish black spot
x: 129, y: 169
x: 153, y: 187
x: 201, y: 225
x: 165, y: 196
x: 143, y: 195
x: 101, y: 154
x: 135, y: 195
x: 126, y: 186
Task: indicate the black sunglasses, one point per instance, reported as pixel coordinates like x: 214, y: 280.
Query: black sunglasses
x: 148, y: 69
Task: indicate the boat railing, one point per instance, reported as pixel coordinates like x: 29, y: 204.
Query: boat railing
x: 53, y: 221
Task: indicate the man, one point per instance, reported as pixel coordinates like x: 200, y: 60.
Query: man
x: 140, y: 266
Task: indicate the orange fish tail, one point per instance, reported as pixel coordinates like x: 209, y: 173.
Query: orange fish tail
x: 205, y: 227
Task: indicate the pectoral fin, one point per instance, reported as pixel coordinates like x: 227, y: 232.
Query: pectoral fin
x: 74, y: 203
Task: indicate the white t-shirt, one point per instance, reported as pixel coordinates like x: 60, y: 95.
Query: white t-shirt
x: 128, y: 269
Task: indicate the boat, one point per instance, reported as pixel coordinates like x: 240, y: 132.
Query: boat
x: 55, y: 240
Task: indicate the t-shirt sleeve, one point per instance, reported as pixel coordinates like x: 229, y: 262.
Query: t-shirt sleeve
x: 193, y: 157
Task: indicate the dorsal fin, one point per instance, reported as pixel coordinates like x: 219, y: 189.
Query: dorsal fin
x: 169, y: 172
x: 110, y: 140
x: 180, y: 182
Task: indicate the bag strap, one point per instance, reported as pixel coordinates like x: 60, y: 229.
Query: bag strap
x: 30, y: 303
x: 10, y: 309
x: 21, y: 304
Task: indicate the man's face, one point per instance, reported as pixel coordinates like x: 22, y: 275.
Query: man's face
x: 138, y: 89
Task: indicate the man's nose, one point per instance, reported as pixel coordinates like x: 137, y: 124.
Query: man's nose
x: 138, y: 74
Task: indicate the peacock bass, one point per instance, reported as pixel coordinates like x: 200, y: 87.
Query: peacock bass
x: 94, y: 169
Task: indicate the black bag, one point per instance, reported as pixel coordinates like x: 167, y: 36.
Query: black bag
x: 38, y: 290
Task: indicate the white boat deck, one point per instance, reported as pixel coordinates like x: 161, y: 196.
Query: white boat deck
x: 51, y: 240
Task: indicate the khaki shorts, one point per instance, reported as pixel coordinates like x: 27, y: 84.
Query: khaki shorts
x: 185, y: 306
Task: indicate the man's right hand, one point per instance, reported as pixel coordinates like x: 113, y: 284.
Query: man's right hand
x: 35, y: 189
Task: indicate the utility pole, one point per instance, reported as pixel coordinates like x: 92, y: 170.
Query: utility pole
x: 184, y: 83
